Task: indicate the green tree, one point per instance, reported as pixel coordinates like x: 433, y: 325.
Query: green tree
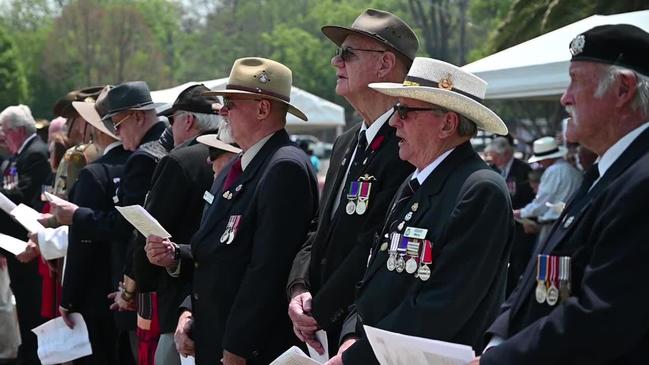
x: 12, y: 76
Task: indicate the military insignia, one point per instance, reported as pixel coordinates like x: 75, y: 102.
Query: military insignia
x: 238, y: 188
x: 446, y: 83
x: 410, y: 83
x: 227, y: 195
x: 263, y: 77
x: 568, y: 222
x: 414, y: 207
x: 366, y: 177
x: 577, y: 45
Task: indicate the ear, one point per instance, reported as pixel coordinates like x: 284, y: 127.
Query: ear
x: 191, y: 118
x: 263, y: 111
x: 450, y: 125
x: 387, y: 63
x: 626, y: 87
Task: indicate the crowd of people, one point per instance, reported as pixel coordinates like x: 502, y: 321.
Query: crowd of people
x: 412, y: 233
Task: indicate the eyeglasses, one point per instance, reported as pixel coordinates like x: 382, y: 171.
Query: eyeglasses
x: 229, y: 103
x: 403, y: 110
x: 346, y: 52
x: 116, y: 125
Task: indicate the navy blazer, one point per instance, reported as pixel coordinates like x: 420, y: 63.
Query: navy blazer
x: 466, y: 209
x: 238, y: 298
x: 605, y: 320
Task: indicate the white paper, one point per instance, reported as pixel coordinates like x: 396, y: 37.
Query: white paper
x: 396, y: 349
x: 321, y: 336
x: 58, y: 344
x: 294, y: 356
x: 6, y: 204
x: 53, y: 198
x: 27, y: 217
x: 53, y: 242
x: 189, y: 360
x: 144, y: 222
x: 12, y: 244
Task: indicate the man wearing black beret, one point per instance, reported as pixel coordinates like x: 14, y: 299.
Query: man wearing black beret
x: 582, y: 298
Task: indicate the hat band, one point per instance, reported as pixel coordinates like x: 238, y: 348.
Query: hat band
x: 418, y: 81
x: 257, y: 90
x: 138, y: 105
x: 541, y: 154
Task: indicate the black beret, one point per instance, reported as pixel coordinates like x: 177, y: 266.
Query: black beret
x: 622, y: 45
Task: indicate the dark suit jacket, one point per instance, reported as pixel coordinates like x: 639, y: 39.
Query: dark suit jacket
x: 176, y: 201
x: 33, y: 170
x: 135, y: 183
x: 238, y: 301
x: 521, y: 194
x: 605, y: 319
x: 465, y: 207
x: 94, y: 267
x: 333, y: 259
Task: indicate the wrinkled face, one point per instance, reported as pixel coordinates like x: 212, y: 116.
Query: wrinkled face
x: 357, y: 66
x: 588, y: 113
x: 240, y: 115
x: 180, y: 124
x: 14, y: 138
x: 418, y: 131
x: 127, y: 129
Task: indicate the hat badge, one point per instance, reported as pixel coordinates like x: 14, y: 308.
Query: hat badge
x: 263, y: 77
x: 577, y: 45
x: 446, y: 83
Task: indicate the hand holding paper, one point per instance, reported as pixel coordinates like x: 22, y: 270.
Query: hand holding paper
x: 144, y: 222
x: 57, y: 343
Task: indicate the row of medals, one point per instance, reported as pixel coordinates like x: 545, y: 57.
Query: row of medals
x: 357, y: 201
x: 550, y: 288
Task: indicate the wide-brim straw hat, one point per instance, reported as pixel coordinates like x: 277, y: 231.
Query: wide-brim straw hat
x: 261, y: 77
x: 213, y: 140
x: 546, y: 148
x: 448, y: 86
x: 381, y: 26
x: 92, y: 111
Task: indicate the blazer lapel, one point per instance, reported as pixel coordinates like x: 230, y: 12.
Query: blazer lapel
x: 340, y: 174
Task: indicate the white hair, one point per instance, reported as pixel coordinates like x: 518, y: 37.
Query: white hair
x: 18, y: 116
x: 205, y: 122
x: 499, y: 145
x: 611, y: 73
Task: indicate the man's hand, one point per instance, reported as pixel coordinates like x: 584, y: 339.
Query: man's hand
x: 3, y: 262
x: 184, y: 344
x: 304, y: 325
x: 338, y: 359
x: 531, y: 227
x: 160, y: 251
x: 63, y: 211
x: 65, y: 316
x: 30, y: 253
x: 517, y: 213
x: 46, y: 220
x: 232, y: 359
x: 475, y: 361
x: 122, y: 301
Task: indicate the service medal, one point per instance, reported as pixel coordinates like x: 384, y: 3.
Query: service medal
x: 541, y: 292
x: 411, y: 265
x: 361, y: 207
x: 401, y: 264
x: 350, y: 208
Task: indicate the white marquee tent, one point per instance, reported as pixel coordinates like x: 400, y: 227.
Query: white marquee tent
x: 322, y: 113
x: 539, y: 67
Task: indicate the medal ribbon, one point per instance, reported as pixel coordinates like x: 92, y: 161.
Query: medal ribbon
x: 394, y: 242
x: 365, y: 190
x: 427, y: 253
x: 553, y: 270
x: 412, y: 249
x: 541, y: 267
x: 403, y: 243
x: 353, y: 190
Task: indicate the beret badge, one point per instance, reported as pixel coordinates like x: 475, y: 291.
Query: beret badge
x: 577, y: 45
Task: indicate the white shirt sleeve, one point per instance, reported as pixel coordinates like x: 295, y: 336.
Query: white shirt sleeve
x: 53, y: 242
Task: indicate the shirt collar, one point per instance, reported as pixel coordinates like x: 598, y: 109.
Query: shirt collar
x: 22, y: 146
x: 251, y: 152
x: 111, y: 146
x: 373, y: 130
x: 422, y: 175
x: 508, y: 166
x: 614, y: 152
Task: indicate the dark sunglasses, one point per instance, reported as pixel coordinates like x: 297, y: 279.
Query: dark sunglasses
x: 346, y: 52
x: 403, y: 110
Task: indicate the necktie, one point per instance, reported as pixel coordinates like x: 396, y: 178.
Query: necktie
x: 589, y: 178
x: 234, y: 174
x: 407, y: 193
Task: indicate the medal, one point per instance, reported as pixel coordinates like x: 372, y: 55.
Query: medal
x: 401, y: 251
x: 392, y: 259
x: 384, y: 246
x: 408, y: 217
x: 553, y: 293
x: 231, y: 229
x: 541, y: 276
x: 363, y: 197
x: 414, y: 207
x: 224, y: 236
x: 400, y: 226
x: 564, y: 278
x: 351, y: 196
x: 425, y: 260
x: 412, y: 250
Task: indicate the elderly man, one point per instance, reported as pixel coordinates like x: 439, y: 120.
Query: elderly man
x: 259, y: 210
x: 515, y: 172
x: 438, y: 267
x: 590, y: 307
x: 22, y: 183
x: 176, y: 201
x: 559, y: 181
x: 365, y: 172
x: 89, y: 269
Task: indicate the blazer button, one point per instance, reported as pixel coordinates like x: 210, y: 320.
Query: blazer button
x: 196, y: 264
x: 195, y: 296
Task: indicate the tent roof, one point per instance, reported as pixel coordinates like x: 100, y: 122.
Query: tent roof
x: 539, y: 67
x: 322, y: 113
